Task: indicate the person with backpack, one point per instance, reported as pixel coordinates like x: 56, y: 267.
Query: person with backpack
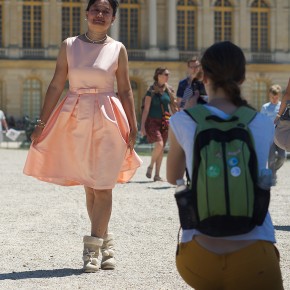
x: 159, y: 101
x: 228, y: 237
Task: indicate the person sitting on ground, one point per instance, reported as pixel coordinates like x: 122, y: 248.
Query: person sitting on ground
x: 244, y: 261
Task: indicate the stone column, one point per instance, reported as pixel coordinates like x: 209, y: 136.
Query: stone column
x: 47, y: 23
x: 153, y: 49
x: 152, y: 23
x: 172, y: 22
x: 172, y: 18
x: 15, y: 29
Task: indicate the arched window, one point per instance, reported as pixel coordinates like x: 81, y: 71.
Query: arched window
x: 186, y: 24
x: 259, y: 94
x: 130, y: 23
x: 32, y: 24
x: 1, y: 24
x: 32, y: 98
x: 71, y: 18
x: 223, y: 20
x: 260, y: 26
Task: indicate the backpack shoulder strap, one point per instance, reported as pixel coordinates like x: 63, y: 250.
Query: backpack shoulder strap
x: 198, y: 113
x: 245, y: 114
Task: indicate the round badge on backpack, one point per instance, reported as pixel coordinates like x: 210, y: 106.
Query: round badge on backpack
x: 236, y: 171
x: 213, y: 171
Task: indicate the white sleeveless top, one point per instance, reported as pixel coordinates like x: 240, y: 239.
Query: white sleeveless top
x: 262, y: 130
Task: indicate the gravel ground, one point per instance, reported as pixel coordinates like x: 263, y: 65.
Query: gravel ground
x: 42, y: 227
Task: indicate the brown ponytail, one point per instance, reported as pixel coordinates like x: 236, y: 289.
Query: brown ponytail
x: 225, y: 64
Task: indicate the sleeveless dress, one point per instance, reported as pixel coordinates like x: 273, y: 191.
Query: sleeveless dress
x: 85, y: 139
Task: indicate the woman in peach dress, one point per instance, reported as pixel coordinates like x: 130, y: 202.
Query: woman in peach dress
x: 88, y: 138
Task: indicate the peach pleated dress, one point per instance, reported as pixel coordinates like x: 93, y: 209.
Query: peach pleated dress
x: 85, y: 139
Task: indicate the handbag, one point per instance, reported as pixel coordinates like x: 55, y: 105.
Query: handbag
x: 165, y: 119
x: 282, y: 130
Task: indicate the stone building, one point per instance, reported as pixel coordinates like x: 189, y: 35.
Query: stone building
x: 155, y: 32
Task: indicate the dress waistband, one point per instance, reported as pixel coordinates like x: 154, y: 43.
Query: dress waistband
x: 81, y: 91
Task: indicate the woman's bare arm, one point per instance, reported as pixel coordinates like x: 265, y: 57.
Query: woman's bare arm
x: 126, y: 95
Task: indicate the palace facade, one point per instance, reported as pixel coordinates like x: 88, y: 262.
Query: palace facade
x: 155, y: 32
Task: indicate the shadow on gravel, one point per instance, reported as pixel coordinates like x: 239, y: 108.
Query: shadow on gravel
x: 149, y: 181
x: 161, y: 187
x: 40, y: 274
x: 282, y: 228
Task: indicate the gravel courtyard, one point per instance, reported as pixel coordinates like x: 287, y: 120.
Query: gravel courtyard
x: 42, y: 226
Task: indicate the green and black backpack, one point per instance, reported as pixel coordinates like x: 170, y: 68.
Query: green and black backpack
x: 223, y: 197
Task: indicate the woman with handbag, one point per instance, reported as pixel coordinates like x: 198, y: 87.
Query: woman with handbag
x: 159, y: 101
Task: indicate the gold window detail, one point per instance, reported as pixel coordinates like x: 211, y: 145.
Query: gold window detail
x: 1, y: 23
x: 130, y: 23
x: 223, y: 20
x: 186, y: 24
x: 260, y: 94
x: 32, y: 24
x: 32, y: 98
x: 71, y: 18
x: 260, y: 26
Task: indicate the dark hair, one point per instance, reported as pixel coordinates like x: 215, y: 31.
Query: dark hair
x: 158, y: 71
x: 225, y: 64
x: 114, y: 4
x: 192, y: 59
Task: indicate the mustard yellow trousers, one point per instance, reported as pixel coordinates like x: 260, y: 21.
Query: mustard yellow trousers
x: 255, y: 267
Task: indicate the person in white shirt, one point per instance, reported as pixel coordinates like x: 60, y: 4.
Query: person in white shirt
x: 277, y: 155
x: 244, y: 261
x: 3, y: 123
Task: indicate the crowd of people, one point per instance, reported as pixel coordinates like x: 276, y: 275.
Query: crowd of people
x: 97, y: 126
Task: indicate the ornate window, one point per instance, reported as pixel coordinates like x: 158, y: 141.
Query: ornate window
x: 71, y: 18
x: 260, y: 26
x: 259, y: 93
x: 186, y: 24
x: 223, y: 20
x: 1, y: 23
x: 130, y: 23
x: 32, y: 98
x: 32, y: 24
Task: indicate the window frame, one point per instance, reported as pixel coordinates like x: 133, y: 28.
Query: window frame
x: 32, y: 4
x: 223, y: 9
x: 186, y: 8
x: 71, y: 4
x: 259, y: 10
x: 129, y: 6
